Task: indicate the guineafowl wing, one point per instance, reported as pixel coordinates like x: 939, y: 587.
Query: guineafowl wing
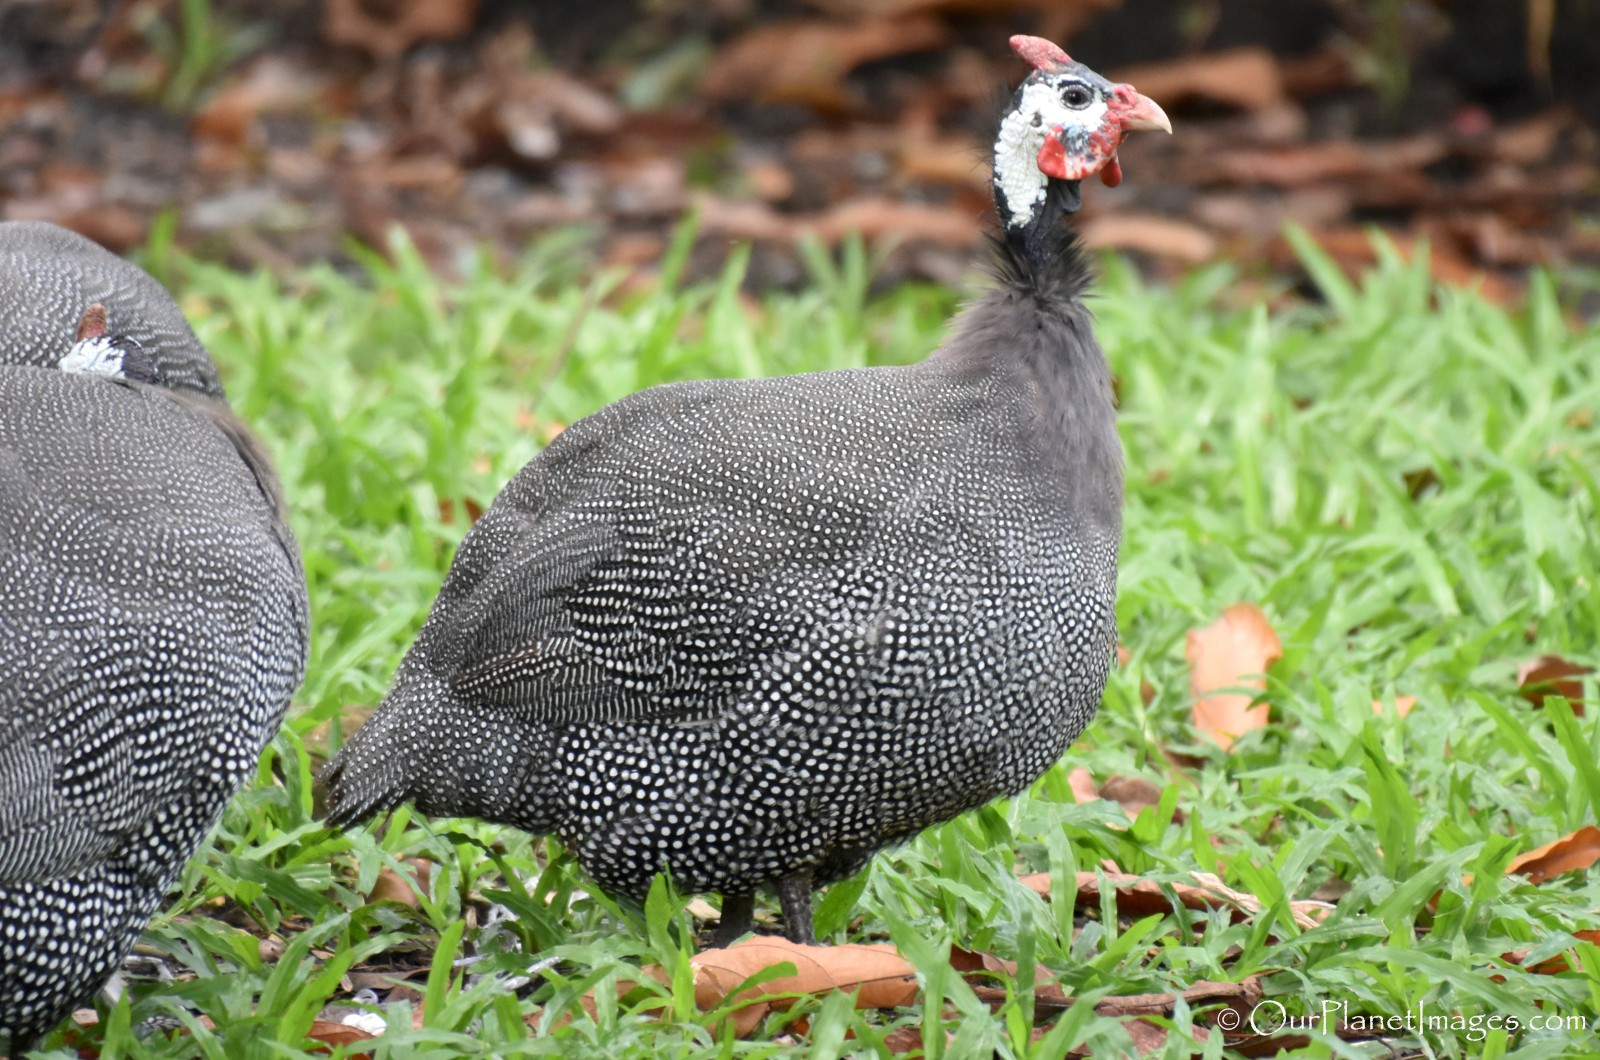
x: 647, y: 566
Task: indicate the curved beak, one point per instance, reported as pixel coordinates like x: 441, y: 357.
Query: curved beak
x: 1145, y: 114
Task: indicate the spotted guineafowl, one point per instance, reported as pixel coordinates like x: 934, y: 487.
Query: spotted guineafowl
x: 750, y: 632
x: 153, y: 622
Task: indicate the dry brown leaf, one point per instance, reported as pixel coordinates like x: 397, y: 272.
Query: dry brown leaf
x: 1570, y: 853
x: 1138, y: 896
x: 1557, y: 965
x: 271, y: 84
x: 1402, y: 705
x: 1083, y: 786
x: 909, y: 1039
x: 1134, y: 795
x: 872, y: 218
x: 392, y: 887
x: 1242, y: 77
x: 330, y: 1033
x: 1222, y: 655
x: 389, y: 29
x: 881, y: 218
x: 807, y: 61
x: 1150, y: 234
x: 1303, y: 164
x: 883, y: 978
x: 981, y: 969
x: 1551, y: 675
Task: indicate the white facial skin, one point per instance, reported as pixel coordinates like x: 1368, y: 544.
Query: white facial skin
x: 95, y: 356
x: 1043, y: 109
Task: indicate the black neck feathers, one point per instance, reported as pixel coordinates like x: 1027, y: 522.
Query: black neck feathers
x: 1043, y: 256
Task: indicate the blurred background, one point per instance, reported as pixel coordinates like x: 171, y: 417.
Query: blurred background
x: 280, y: 132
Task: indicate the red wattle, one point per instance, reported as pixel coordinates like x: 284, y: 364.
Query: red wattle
x: 1053, y: 159
x: 1111, y: 175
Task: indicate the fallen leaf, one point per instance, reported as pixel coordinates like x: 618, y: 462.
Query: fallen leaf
x: 386, y: 30
x: 271, y: 84
x: 331, y: 1033
x: 1138, y: 896
x: 1134, y: 795
x: 881, y: 218
x: 1242, y: 77
x: 1570, y: 853
x: 1551, y: 675
x: 881, y: 977
x: 1557, y: 965
x: 392, y: 887
x: 1222, y: 655
x: 807, y: 61
x: 980, y: 969
x: 1149, y: 234
x: 1083, y: 786
x: 1299, y: 165
x: 1402, y: 705
x: 1204, y: 992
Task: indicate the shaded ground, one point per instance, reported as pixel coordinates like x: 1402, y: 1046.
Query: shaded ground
x: 278, y: 130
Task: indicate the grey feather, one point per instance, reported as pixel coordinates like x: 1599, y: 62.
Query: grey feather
x: 152, y: 630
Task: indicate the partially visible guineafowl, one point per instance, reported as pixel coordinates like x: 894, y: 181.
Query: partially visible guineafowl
x: 750, y: 632
x: 49, y: 276
x: 153, y: 618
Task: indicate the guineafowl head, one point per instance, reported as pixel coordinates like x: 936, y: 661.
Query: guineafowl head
x: 99, y: 352
x: 1064, y: 123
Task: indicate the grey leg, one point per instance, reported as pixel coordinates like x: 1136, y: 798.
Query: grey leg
x: 794, y: 895
x: 738, y: 915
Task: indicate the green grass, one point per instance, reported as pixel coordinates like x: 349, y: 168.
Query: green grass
x: 1267, y: 458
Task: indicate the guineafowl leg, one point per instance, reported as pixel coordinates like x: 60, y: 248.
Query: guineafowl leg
x: 738, y: 916
x: 794, y: 894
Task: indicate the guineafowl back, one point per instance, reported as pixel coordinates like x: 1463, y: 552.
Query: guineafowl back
x: 745, y: 629
x: 152, y: 631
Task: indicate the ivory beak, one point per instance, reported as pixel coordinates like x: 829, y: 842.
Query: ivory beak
x: 1146, y: 115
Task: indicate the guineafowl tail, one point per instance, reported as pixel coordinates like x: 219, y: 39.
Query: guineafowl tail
x: 451, y: 758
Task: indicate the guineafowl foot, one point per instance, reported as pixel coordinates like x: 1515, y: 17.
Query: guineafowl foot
x: 738, y: 917
x: 794, y: 895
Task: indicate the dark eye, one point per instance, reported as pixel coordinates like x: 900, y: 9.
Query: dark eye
x: 1076, y: 96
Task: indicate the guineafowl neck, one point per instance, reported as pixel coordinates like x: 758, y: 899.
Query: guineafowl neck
x: 1042, y: 249
x: 1033, y: 335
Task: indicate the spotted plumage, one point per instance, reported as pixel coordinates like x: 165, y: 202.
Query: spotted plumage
x: 750, y: 632
x: 152, y: 627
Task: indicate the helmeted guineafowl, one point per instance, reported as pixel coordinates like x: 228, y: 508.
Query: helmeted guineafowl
x: 153, y: 620
x: 750, y: 632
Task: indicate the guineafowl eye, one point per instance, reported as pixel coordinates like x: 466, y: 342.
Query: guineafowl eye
x: 750, y: 632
